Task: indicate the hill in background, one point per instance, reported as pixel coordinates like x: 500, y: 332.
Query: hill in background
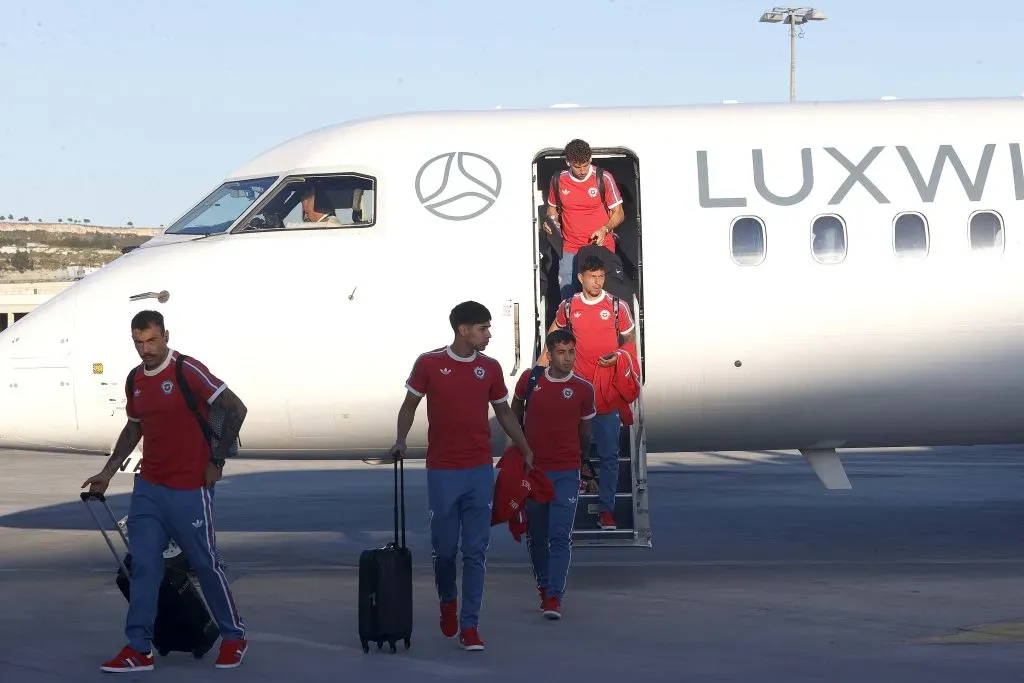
x: 61, y: 251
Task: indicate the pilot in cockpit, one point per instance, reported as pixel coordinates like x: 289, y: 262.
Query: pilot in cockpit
x: 317, y: 208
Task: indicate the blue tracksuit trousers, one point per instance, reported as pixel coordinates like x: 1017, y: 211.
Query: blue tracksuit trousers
x: 157, y: 513
x: 460, y: 505
x: 605, y: 429
x: 549, y: 532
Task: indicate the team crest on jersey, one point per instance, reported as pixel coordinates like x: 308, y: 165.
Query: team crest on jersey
x: 567, y: 392
x: 167, y: 386
x: 605, y: 315
x: 479, y: 372
x: 592, y: 192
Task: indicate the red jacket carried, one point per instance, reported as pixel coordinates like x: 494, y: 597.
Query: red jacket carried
x: 616, y: 388
x: 513, y: 486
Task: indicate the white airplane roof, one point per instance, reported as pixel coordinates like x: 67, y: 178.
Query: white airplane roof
x: 354, y: 142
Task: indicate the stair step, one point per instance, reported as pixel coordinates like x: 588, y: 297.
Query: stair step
x: 587, y: 511
x: 603, y: 539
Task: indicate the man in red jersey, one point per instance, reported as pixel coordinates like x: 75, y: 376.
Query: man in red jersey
x: 556, y: 416
x: 601, y: 324
x: 586, y: 215
x: 173, y: 492
x: 459, y: 382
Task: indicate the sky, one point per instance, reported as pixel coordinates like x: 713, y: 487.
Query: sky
x: 132, y: 110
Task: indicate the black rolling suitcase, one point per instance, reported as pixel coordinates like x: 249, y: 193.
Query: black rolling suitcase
x: 183, y: 621
x: 385, y: 585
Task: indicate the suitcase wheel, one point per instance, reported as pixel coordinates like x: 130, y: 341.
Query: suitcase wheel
x: 393, y: 648
x: 198, y: 654
x: 162, y: 651
x: 407, y: 643
x: 380, y: 644
x: 366, y: 647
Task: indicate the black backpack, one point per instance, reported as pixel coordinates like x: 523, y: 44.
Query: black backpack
x: 216, y: 416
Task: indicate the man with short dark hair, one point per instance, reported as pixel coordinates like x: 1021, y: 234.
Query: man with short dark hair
x: 173, y: 492
x: 585, y: 204
x: 555, y: 406
x: 601, y: 324
x: 459, y: 382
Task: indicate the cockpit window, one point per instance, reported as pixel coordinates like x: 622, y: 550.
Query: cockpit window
x: 316, y: 202
x: 221, y: 208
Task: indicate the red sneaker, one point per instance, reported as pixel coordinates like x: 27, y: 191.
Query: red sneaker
x: 450, y: 618
x: 231, y: 653
x: 606, y: 521
x: 470, y: 640
x: 543, y: 599
x: 129, y: 660
x: 552, y: 608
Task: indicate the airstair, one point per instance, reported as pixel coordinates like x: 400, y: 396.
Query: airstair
x: 632, y: 510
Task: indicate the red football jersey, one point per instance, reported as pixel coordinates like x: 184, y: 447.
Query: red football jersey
x: 175, y: 452
x: 458, y: 392
x: 552, y: 420
x: 594, y: 329
x: 583, y: 210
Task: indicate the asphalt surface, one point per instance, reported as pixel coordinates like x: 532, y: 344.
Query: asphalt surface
x: 757, y: 574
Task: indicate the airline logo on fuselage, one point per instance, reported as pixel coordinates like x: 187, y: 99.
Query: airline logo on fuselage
x: 859, y: 173
x: 458, y: 186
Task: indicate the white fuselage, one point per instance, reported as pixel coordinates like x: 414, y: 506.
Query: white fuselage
x: 317, y: 329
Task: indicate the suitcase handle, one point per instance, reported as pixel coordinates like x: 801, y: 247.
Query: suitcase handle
x: 400, y: 468
x: 96, y: 495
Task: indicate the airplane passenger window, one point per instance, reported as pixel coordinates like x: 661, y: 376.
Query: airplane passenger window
x: 220, y: 208
x: 986, y: 230
x: 748, y: 241
x: 828, y: 239
x: 317, y: 202
x: 910, y: 235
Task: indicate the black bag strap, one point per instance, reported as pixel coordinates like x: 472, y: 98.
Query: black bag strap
x: 400, y: 467
x: 600, y: 187
x: 615, y: 315
x: 130, y: 380
x: 190, y: 400
x: 531, y: 384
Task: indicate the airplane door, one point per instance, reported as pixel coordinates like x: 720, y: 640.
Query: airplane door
x: 313, y: 281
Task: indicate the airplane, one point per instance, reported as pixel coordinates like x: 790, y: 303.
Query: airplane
x: 805, y: 276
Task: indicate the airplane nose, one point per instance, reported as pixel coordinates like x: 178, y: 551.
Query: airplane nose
x: 37, y: 388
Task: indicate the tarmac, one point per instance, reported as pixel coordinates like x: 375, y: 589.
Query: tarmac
x: 757, y: 574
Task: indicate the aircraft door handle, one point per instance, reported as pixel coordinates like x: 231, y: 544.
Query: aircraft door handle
x: 515, y: 326
x: 161, y: 296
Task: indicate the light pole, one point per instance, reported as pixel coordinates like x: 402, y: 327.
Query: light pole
x: 793, y: 16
